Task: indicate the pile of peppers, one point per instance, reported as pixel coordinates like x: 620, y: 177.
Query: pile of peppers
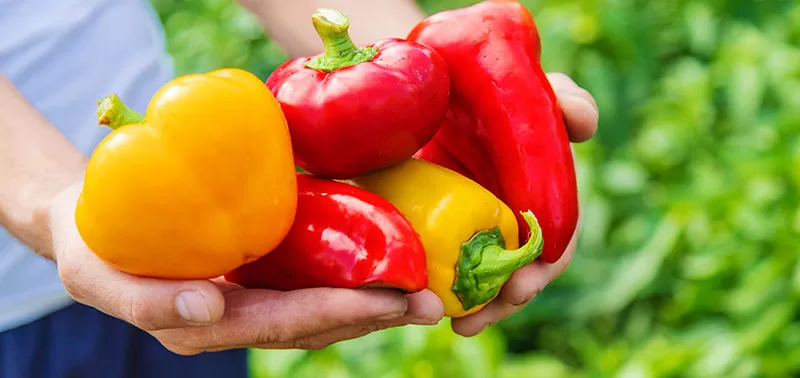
x: 437, y: 161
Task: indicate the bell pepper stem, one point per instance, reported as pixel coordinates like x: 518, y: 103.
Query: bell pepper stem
x: 112, y: 112
x: 484, y: 265
x: 340, y: 51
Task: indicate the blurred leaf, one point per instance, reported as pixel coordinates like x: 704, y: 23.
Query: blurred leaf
x: 625, y: 177
x: 702, y: 25
x: 536, y: 365
x: 269, y: 364
x: 633, y: 274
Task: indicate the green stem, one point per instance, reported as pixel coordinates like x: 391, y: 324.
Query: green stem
x: 112, y: 112
x: 340, y: 51
x: 484, y: 265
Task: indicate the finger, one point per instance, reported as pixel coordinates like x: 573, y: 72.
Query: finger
x: 424, y: 308
x: 147, y: 303
x: 474, y: 324
x: 581, y: 118
x: 266, y: 317
x: 563, y: 83
x: 579, y: 107
x: 226, y: 286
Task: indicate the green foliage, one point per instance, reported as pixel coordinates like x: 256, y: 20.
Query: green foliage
x: 688, y: 259
x: 394, y: 353
x: 204, y: 35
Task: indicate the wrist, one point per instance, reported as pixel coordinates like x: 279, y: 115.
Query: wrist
x: 30, y: 219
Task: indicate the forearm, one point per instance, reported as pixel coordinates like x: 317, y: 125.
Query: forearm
x: 36, y: 162
x: 289, y: 22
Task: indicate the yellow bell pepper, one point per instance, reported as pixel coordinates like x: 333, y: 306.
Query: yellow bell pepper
x: 201, y: 184
x: 470, y: 236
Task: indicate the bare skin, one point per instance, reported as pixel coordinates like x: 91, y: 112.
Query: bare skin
x: 289, y: 22
x: 41, y: 174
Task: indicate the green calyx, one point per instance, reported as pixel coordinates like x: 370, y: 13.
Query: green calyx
x: 340, y: 51
x: 484, y: 265
x: 112, y: 112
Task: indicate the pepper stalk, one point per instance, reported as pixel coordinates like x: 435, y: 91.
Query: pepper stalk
x: 484, y: 265
x: 112, y: 112
x: 340, y: 51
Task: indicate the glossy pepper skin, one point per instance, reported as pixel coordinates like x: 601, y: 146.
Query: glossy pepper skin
x: 202, y: 183
x: 354, y: 109
x: 342, y: 237
x: 504, y: 127
x: 469, y: 235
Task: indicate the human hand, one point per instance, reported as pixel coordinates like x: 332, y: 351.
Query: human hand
x: 581, y: 116
x: 191, y: 317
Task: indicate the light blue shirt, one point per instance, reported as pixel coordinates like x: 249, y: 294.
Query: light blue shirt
x: 64, y: 55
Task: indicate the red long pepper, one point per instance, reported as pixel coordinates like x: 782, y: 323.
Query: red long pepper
x: 504, y: 127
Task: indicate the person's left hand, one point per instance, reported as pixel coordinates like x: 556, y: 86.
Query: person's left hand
x: 581, y: 115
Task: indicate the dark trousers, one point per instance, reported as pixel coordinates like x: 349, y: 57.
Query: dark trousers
x: 81, y: 342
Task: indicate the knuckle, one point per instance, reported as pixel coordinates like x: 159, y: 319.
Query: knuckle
x: 520, y: 296
x: 584, y: 94
x: 529, y: 297
x: 142, y: 313
x: 273, y: 335
x: 560, y: 80
x: 69, y: 275
x: 367, y: 328
x: 181, y: 350
x: 326, y: 340
x: 178, y: 342
x: 311, y: 344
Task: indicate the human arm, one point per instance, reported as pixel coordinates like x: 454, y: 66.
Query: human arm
x: 37, y: 162
x: 40, y: 180
x: 289, y: 22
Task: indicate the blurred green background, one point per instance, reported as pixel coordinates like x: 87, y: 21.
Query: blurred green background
x: 688, y: 258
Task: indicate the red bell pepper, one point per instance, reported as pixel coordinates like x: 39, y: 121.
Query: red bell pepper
x: 344, y: 237
x: 504, y: 127
x: 355, y: 109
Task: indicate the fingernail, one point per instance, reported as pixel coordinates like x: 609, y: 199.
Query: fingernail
x: 591, y: 111
x: 392, y: 316
x: 483, y: 328
x: 399, y: 312
x: 519, y: 301
x: 423, y: 321
x: 523, y: 300
x: 192, y: 307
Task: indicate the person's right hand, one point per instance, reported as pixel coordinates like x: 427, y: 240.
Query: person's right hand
x: 191, y: 317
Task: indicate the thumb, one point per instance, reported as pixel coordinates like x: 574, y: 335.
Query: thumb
x: 155, y: 304
x: 148, y: 303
